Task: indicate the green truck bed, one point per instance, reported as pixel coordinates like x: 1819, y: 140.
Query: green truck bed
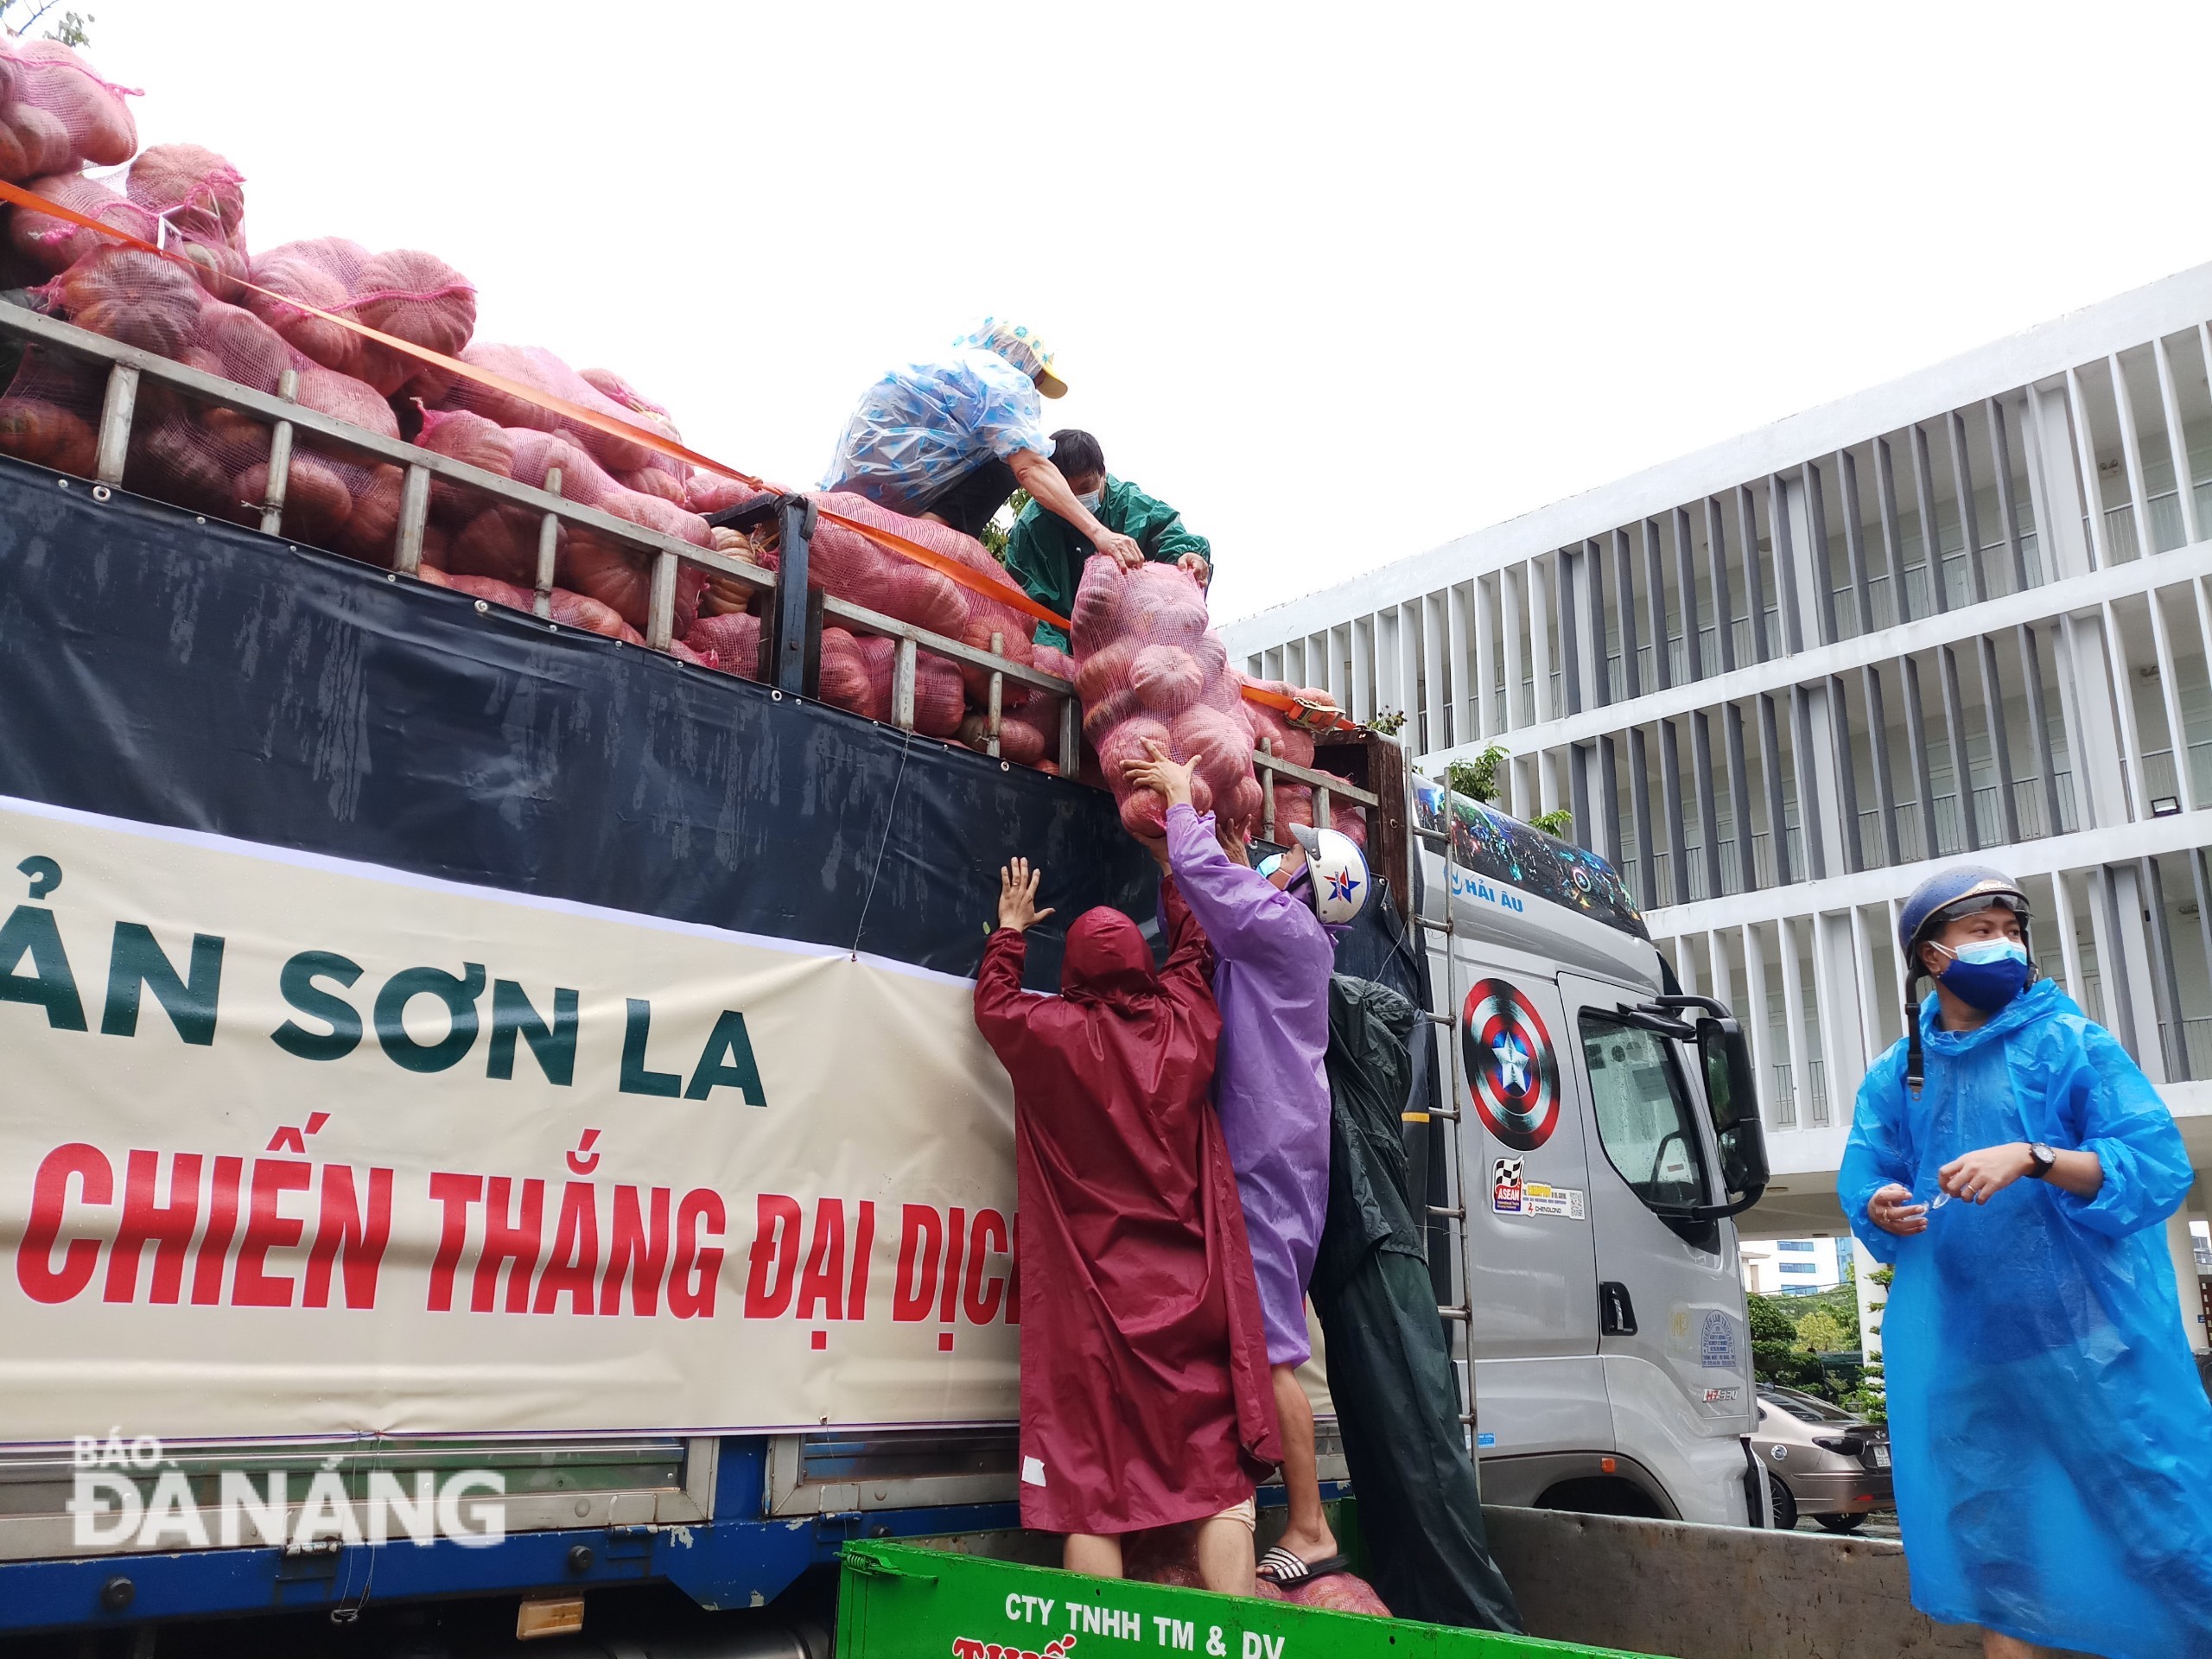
x: 896, y: 1601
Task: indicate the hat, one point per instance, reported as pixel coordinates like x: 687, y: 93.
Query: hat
x: 1945, y: 896
x: 1014, y: 342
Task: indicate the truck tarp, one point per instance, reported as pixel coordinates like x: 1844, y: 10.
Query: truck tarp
x: 172, y: 671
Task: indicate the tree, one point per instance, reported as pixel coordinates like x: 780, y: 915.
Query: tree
x: 999, y: 530
x: 1821, y: 1332
x: 1478, y: 780
x: 72, y: 28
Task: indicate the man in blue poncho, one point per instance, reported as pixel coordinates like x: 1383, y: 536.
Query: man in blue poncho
x: 950, y: 436
x: 2053, y: 1446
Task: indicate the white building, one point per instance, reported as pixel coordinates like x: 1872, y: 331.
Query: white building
x: 1782, y: 680
x: 1793, y: 1267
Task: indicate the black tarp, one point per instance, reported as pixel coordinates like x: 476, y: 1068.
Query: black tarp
x: 1389, y: 1366
x: 163, y: 668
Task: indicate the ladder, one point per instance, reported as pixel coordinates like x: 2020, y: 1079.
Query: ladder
x: 1454, y: 1213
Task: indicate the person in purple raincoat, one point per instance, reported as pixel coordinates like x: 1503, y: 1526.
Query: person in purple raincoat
x: 1273, y: 959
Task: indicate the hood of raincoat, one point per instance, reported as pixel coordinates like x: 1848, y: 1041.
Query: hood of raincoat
x: 1106, y: 960
x: 2038, y: 1001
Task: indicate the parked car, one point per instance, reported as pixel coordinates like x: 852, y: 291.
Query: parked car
x: 1821, y: 1460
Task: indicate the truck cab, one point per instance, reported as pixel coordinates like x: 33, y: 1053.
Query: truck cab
x: 1606, y: 1133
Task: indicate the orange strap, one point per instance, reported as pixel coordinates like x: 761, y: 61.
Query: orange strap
x: 975, y: 581
x: 1300, y: 711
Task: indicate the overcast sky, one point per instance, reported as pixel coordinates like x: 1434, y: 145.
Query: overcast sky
x: 1340, y: 282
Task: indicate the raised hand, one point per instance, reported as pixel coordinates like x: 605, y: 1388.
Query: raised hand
x: 1018, y: 896
x: 1161, y: 773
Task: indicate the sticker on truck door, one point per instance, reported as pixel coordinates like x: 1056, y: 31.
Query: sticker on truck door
x: 1511, y: 1071
x: 1505, y: 1185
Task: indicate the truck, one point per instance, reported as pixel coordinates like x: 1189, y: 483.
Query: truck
x: 495, y: 1124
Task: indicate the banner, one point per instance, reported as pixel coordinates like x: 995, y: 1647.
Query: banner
x: 293, y: 1145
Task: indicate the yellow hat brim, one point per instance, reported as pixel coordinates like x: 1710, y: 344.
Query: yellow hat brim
x: 1051, y: 385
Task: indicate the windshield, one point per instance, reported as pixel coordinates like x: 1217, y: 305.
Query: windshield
x: 1804, y: 1407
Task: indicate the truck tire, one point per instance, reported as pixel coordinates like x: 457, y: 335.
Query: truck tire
x: 1841, y: 1523
x: 1785, y: 1505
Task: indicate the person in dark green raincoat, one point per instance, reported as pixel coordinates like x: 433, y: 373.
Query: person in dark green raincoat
x: 1045, y: 554
x: 1390, y: 1373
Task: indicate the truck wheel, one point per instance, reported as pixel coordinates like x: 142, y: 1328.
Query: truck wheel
x: 1842, y: 1522
x: 1785, y: 1505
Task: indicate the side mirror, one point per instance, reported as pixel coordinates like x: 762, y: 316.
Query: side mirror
x: 1732, y: 1096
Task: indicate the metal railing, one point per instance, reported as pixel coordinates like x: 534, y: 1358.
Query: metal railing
x: 2191, y: 1056
x: 130, y: 368
x: 1785, y: 1095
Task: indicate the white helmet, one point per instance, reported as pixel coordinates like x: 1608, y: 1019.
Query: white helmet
x: 1339, y: 871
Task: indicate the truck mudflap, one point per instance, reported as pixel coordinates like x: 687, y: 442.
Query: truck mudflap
x: 899, y: 1601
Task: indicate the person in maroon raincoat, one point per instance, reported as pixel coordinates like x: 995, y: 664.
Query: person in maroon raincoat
x: 1145, y: 1395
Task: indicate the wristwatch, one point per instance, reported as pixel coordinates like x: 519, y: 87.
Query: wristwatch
x: 2040, y: 1159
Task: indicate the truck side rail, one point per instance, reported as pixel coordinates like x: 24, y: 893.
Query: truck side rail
x: 129, y: 365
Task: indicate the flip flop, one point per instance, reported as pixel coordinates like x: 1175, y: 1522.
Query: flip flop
x: 1284, y: 1570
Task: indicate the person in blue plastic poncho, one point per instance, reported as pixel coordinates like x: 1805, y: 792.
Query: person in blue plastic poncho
x: 2052, y: 1446
x: 951, y: 436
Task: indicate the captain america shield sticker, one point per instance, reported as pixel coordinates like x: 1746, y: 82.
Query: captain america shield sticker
x: 1511, y: 1071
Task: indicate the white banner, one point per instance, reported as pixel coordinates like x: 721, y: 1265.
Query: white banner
x: 291, y: 1145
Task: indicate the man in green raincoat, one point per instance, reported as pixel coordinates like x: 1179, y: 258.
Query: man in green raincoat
x: 1045, y: 554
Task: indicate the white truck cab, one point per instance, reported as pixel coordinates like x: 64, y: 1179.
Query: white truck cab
x: 1605, y: 1135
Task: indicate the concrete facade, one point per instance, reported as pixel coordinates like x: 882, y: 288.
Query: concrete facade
x: 1966, y: 615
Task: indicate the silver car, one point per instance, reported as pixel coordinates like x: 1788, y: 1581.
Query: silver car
x: 1821, y: 1460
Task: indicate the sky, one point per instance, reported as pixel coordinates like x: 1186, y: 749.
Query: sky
x: 1340, y: 282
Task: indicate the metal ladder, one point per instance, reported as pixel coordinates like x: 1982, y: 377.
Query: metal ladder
x: 1453, y: 1111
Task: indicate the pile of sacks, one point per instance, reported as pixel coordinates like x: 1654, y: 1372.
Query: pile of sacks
x: 1147, y: 664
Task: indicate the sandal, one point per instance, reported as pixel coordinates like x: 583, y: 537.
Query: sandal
x: 1284, y: 1570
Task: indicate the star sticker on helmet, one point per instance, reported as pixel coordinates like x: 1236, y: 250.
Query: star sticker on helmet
x: 1343, y: 885
x: 1512, y: 1067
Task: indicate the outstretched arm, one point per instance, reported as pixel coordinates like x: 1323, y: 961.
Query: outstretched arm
x: 1050, y: 491
x: 1235, y: 905
x: 1002, y: 1013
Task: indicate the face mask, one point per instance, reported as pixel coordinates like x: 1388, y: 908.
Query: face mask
x: 1987, y: 975
x: 1090, y: 502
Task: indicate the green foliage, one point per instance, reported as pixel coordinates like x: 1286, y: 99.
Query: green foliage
x: 1478, y: 778
x: 1557, y: 821
x: 72, y: 28
x: 1821, y: 1332
x: 999, y: 530
x: 1869, y: 1396
x: 1789, y: 1333
x: 1389, y: 722
x: 1768, y: 1323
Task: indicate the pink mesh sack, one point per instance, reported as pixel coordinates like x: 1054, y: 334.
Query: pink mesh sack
x: 50, y: 416
x: 979, y: 616
x: 710, y: 492
x: 847, y: 565
x: 1150, y: 670
x: 201, y: 195
x: 412, y: 296
x: 646, y: 412
x: 499, y: 539
x: 732, y: 641
x: 55, y: 244
x: 534, y: 366
x: 56, y: 114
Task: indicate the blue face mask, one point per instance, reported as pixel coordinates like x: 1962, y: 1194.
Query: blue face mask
x: 1988, y: 973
